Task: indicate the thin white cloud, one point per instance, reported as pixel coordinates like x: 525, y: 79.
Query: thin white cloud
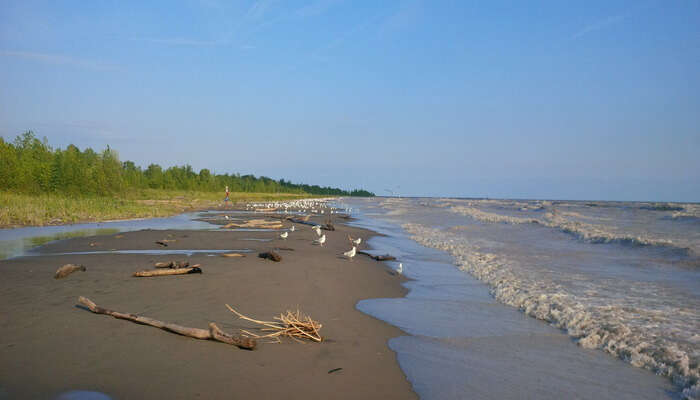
x: 59, y: 59
x: 408, y: 14
x: 258, y: 9
x: 316, y: 8
x: 598, y: 25
x: 181, y: 41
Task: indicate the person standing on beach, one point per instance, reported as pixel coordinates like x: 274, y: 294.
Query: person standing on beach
x: 226, y: 199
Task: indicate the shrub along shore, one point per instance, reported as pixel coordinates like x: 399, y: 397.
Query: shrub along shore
x: 40, y: 185
x: 18, y: 209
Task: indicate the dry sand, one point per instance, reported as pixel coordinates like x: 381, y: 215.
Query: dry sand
x: 49, y: 345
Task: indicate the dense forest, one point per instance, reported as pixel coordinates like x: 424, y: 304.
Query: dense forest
x: 30, y: 165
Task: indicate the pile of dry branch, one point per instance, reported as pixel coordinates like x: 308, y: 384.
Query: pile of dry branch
x: 294, y: 325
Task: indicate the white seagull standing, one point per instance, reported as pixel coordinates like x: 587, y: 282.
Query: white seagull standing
x: 399, y: 270
x: 317, y: 228
x: 320, y: 240
x: 292, y: 229
x: 284, y: 235
x: 351, y: 253
x: 357, y: 241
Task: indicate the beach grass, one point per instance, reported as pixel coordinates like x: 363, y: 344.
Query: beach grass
x: 18, y: 209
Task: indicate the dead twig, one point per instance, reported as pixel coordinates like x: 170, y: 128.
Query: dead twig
x: 291, y: 324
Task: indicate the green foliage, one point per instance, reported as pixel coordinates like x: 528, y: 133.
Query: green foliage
x: 31, y: 166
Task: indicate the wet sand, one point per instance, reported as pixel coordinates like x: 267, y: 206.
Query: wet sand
x: 49, y: 345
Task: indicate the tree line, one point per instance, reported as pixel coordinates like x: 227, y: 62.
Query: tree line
x: 30, y: 165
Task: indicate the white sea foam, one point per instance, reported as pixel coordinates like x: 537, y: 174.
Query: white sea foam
x: 641, y: 327
x: 593, y: 233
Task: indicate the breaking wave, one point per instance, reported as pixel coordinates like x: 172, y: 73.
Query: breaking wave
x: 557, y: 220
x: 663, y: 339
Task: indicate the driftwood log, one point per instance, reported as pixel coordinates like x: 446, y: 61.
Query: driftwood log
x: 213, y: 333
x: 255, y: 223
x: 161, y: 243
x: 68, y: 269
x: 233, y: 255
x: 325, y: 227
x: 385, y: 257
x: 271, y: 255
x: 172, y: 264
x: 171, y: 271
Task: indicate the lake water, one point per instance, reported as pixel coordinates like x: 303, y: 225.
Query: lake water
x: 537, y: 299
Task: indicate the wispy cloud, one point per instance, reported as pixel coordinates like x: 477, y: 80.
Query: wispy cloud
x: 316, y: 8
x: 181, y: 41
x: 59, y: 59
x: 258, y: 9
x: 598, y: 25
x: 406, y: 16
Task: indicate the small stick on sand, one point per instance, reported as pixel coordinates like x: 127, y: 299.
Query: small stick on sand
x: 173, y: 271
x: 172, y: 264
x: 271, y: 255
x: 385, y: 257
x: 213, y: 333
x: 68, y: 269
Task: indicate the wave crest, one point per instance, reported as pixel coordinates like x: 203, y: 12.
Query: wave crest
x: 602, y: 326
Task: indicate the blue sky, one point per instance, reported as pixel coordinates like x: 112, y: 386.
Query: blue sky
x: 573, y: 100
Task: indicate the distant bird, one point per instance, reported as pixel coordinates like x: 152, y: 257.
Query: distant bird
x: 351, y: 253
x: 399, y: 270
x: 226, y: 216
x: 320, y: 240
x: 357, y: 241
x: 292, y: 229
x: 317, y: 228
x: 284, y: 235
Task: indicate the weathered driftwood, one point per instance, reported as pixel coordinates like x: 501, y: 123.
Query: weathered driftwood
x: 173, y: 271
x: 172, y: 264
x: 271, y: 255
x: 233, y: 255
x: 161, y: 243
x: 385, y: 257
x: 68, y: 269
x: 255, y: 223
x: 214, y: 333
x: 302, y: 221
x: 325, y: 227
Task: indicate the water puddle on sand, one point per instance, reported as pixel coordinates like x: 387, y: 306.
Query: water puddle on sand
x: 245, y: 230
x: 82, y: 395
x: 147, y: 252
x: 19, y: 241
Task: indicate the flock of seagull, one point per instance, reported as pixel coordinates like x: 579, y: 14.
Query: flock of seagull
x: 314, y: 206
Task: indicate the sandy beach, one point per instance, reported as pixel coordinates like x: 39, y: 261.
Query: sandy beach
x: 50, y: 345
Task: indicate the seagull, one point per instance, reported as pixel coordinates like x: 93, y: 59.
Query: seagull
x: 320, y: 240
x: 292, y: 229
x: 351, y: 253
x: 226, y: 216
x: 317, y: 228
x: 399, y: 270
x: 284, y: 235
x: 357, y: 241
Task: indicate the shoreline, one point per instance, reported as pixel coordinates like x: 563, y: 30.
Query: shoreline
x: 51, y: 346
x: 55, y: 210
